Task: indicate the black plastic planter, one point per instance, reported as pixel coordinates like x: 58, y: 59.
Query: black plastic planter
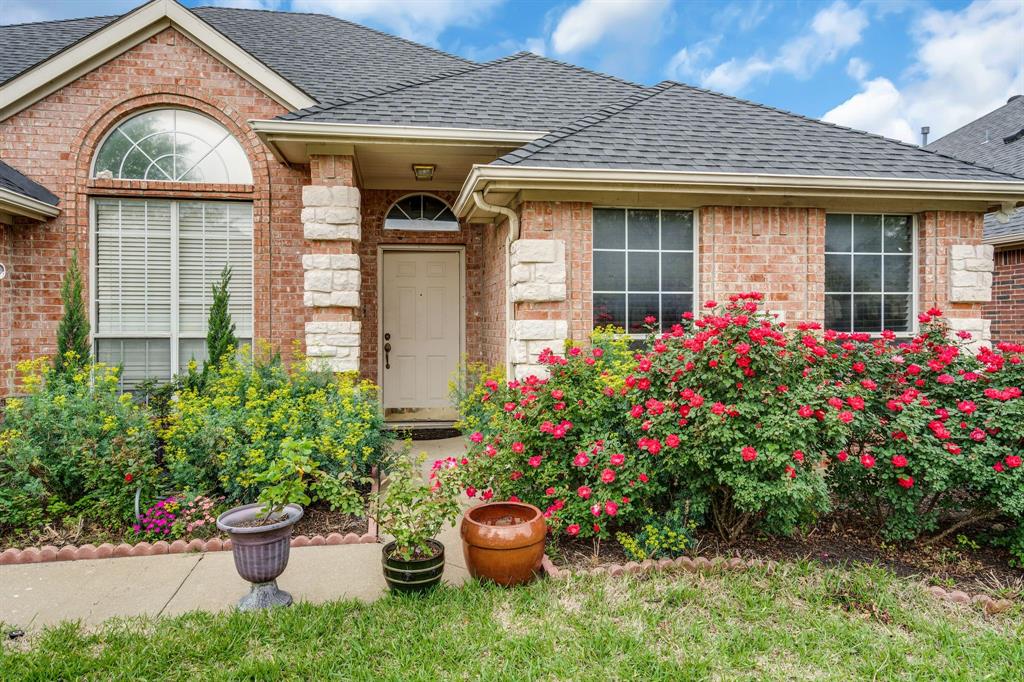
x: 260, y: 552
x: 416, y: 575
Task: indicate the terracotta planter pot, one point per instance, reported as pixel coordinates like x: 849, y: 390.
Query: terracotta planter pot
x: 415, y: 575
x: 503, y: 541
x: 260, y: 552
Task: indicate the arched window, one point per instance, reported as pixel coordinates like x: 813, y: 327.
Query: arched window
x: 421, y: 212
x: 172, y: 145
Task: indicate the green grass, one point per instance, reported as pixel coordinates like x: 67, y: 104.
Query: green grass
x: 800, y: 622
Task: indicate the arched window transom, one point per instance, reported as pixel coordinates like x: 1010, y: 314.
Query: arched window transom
x: 421, y: 212
x: 172, y: 145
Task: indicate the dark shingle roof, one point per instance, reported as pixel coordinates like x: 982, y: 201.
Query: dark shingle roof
x: 677, y: 127
x: 14, y: 181
x: 25, y: 45
x: 521, y: 92
x: 329, y: 58
x: 996, y: 139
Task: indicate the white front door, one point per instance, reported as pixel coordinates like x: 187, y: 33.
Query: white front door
x: 421, y: 332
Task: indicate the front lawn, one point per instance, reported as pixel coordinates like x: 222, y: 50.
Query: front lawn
x: 800, y: 622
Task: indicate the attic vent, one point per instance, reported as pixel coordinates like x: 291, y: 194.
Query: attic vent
x: 1013, y: 138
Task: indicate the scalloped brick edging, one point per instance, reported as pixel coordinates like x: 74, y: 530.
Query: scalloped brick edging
x: 990, y: 605
x: 35, y: 555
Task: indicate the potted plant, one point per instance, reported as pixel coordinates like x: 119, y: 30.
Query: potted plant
x: 261, y: 532
x: 503, y: 541
x: 413, y: 512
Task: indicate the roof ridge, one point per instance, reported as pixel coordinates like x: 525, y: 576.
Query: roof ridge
x: 846, y: 128
x: 584, y: 122
x: 344, y: 21
x: 577, y: 67
x: 399, y: 86
x: 61, y: 21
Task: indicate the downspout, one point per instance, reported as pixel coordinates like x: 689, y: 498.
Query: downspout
x: 513, y: 235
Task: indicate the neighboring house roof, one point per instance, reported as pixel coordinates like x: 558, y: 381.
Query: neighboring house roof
x: 13, y: 181
x: 997, y: 140
x: 329, y: 58
x: 676, y: 127
x: 520, y: 92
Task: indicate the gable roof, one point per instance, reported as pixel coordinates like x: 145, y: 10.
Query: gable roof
x: 996, y: 139
x: 521, y: 92
x: 676, y: 127
x: 328, y: 58
x: 14, y: 181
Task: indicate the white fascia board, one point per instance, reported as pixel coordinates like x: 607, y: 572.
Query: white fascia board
x: 130, y: 30
x: 526, y: 177
x: 19, y: 204
x: 315, y: 131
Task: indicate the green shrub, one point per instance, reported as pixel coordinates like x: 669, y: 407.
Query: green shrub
x: 73, y: 347
x: 225, y: 439
x: 73, y: 445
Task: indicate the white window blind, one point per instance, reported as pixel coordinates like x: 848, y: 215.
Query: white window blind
x: 155, y: 264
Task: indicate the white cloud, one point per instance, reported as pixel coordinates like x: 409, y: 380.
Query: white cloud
x: 686, y: 63
x: 592, y: 22
x: 420, y: 20
x: 857, y: 69
x: 247, y: 4
x: 832, y: 31
x: 967, y: 63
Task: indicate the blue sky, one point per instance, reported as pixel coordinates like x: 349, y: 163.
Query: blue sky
x: 888, y: 66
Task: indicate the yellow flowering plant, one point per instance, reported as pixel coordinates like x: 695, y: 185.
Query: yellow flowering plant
x: 224, y: 438
x: 72, y: 445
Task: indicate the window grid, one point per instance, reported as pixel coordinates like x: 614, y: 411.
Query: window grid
x: 660, y: 292
x: 882, y: 253
x: 107, y: 340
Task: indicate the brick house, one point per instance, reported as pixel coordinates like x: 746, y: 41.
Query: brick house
x: 996, y: 140
x: 395, y: 208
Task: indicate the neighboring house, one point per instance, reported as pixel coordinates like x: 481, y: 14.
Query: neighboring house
x: 396, y: 208
x: 997, y: 140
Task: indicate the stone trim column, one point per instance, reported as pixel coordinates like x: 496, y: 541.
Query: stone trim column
x: 970, y: 281
x: 538, y: 276
x: 331, y: 221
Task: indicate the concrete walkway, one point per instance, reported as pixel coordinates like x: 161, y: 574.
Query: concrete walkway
x: 33, y: 596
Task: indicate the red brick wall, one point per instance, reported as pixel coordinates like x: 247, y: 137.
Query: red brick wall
x: 493, y: 299
x: 1007, y: 307
x: 375, y: 204
x: 53, y: 142
x: 777, y: 251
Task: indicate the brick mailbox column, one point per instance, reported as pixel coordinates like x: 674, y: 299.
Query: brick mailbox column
x: 331, y: 281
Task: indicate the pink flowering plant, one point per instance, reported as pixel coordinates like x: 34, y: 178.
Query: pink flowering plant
x: 179, y: 516
x: 560, y: 443
x: 937, y: 444
x: 728, y: 404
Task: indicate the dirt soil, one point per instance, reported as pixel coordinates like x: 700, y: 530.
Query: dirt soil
x: 317, y: 520
x: 835, y: 542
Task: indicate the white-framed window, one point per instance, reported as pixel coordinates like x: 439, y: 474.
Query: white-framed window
x: 644, y: 265
x: 154, y: 262
x: 421, y: 213
x: 870, y: 272
x: 172, y: 145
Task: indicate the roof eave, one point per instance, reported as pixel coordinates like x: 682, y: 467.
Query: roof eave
x: 129, y: 30
x: 23, y: 205
x: 517, y: 178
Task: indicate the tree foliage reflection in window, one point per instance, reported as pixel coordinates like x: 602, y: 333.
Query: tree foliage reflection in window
x: 422, y: 212
x: 172, y: 145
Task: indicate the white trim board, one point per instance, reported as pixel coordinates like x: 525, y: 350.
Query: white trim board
x: 125, y: 33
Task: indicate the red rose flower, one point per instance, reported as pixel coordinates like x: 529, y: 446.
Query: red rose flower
x: 607, y: 476
x: 906, y: 482
x: 899, y: 461
x: 867, y: 460
x: 748, y: 453
x: 127, y: 478
x: 573, y: 529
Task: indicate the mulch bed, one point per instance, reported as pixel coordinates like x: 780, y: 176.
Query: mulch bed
x: 837, y: 541
x: 317, y: 520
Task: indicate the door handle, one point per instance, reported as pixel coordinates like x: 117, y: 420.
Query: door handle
x: 387, y: 356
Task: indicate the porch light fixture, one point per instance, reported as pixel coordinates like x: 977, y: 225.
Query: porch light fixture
x: 423, y: 171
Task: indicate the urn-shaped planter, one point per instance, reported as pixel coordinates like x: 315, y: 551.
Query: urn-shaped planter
x: 260, y: 551
x: 416, y: 574
x: 503, y: 541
